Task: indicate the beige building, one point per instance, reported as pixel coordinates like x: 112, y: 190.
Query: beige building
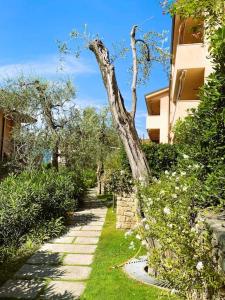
x: 190, y: 68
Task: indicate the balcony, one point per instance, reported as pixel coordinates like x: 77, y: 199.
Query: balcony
x: 190, y: 56
x: 153, y: 122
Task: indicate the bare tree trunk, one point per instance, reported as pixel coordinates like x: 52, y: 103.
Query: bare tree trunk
x: 124, y: 120
x: 100, y: 173
x: 55, y: 157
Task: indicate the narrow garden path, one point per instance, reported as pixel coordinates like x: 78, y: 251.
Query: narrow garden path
x: 61, y: 267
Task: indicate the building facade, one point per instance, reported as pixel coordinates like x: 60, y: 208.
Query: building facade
x: 190, y: 67
x: 6, y: 127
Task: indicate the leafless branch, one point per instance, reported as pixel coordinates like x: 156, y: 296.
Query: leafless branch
x: 135, y: 71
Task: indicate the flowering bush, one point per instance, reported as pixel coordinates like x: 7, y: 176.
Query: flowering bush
x: 177, y: 236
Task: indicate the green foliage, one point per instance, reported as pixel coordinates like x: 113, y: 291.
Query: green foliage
x: 202, y: 134
x: 119, y: 181
x: 32, y: 203
x: 179, y: 235
x: 89, y: 177
x: 160, y: 157
x: 210, y: 10
x: 175, y: 229
x: 117, y: 177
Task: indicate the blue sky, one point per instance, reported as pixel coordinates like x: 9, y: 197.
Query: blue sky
x: 29, y: 30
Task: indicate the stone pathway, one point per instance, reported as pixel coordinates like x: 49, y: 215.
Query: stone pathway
x: 61, y: 267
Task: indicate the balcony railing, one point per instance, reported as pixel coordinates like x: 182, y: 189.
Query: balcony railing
x: 153, y: 122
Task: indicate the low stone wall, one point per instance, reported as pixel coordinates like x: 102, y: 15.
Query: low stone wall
x: 217, y: 224
x: 126, y: 211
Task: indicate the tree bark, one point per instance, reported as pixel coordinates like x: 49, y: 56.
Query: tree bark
x: 100, y: 173
x: 124, y: 120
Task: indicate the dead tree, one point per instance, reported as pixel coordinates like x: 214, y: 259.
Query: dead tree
x: 124, y: 120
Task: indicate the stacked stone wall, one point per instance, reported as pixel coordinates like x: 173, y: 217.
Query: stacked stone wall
x: 126, y: 211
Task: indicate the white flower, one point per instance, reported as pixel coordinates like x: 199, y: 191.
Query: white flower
x: 170, y: 225
x: 128, y: 233
x: 199, y: 266
x: 131, y: 246
x: 184, y: 188
x: 144, y: 243
x: 149, y: 203
x: 185, y: 156
x: 166, y: 210
x: 162, y: 192
x: 196, y: 166
x: 122, y: 172
x: 183, y: 173
x: 173, y: 291
x: 167, y: 172
x: 177, y: 188
x: 143, y: 220
x: 147, y: 227
x: 174, y: 174
x: 138, y: 237
x: 189, y: 166
x: 174, y: 196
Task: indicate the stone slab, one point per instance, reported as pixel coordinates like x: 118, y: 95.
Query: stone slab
x: 63, y: 240
x: 21, y: 289
x: 64, y: 290
x: 61, y: 272
x: 78, y: 259
x: 45, y: 258
x: 86, y: 240
x: 74, y: 227
x: 86, y: 233
x: 95, y: 228
x: 67, y: 248
x: 96, y: 223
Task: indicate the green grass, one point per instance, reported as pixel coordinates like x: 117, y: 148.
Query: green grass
x: 109, y: 283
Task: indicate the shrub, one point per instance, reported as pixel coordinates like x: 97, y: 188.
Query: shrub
x: 29, y: 200
x: 90, y: 178
x: 160, y: 157
x: 178, y: 235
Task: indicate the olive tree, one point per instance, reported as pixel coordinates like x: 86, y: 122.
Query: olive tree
x: 144, y: 52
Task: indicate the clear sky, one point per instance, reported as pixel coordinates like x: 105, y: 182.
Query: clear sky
x: 29, y: 30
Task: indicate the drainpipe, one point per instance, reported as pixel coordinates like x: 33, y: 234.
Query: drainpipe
x: 180, y: 89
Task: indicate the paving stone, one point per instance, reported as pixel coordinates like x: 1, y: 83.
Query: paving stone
x: 61, y: 272
x: 74, y: 227
x: 96, y: 223
x: 21, y: 289
x: 45, y: 258
x: 63, y: 240
x: 78, y: 259
x: 87, y: 228
x: 86, y: 233
x: 64, y: 290
x: 86, y: 240
x: 89, y: 249
x: 67, y: 248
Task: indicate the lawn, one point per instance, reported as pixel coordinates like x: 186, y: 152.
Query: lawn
x: 109, y: 283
